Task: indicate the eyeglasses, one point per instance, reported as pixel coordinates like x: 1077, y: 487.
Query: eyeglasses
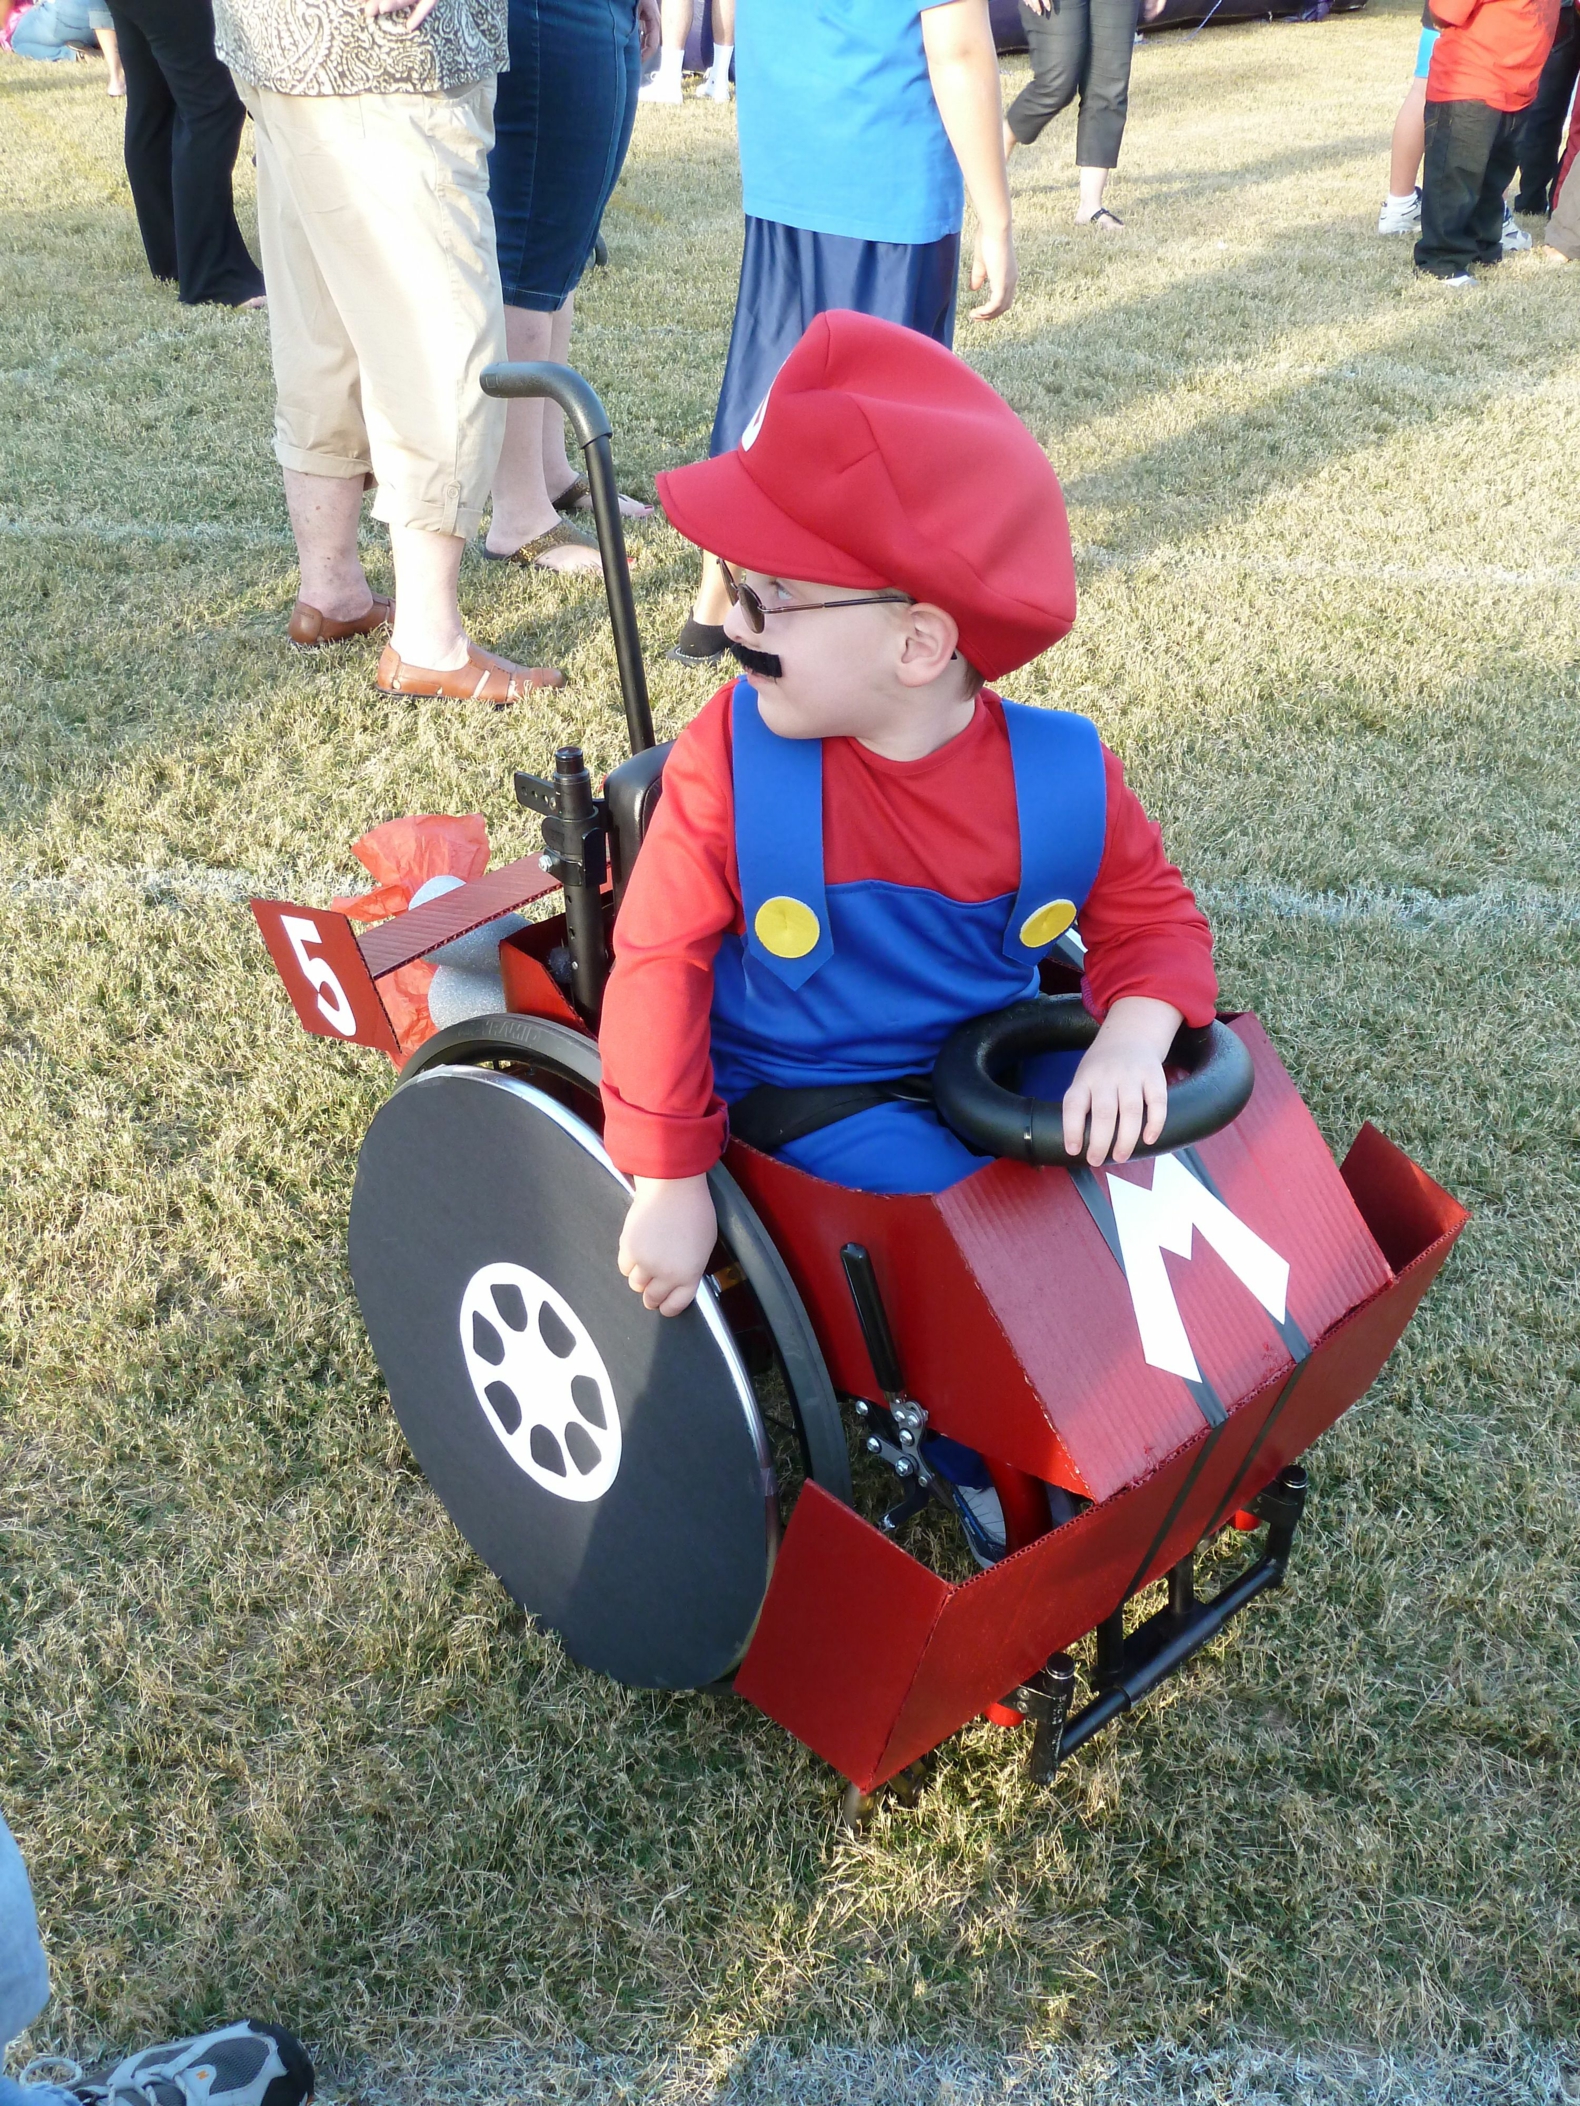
x: 742, y: 596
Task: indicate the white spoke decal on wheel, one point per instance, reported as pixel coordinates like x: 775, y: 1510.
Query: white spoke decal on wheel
x: 540, y: 1381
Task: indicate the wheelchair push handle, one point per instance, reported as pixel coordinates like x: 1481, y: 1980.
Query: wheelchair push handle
x: 1214, y: 1089
x: 590, y: 422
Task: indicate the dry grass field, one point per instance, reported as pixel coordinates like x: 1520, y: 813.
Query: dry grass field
x: 270, y: 1737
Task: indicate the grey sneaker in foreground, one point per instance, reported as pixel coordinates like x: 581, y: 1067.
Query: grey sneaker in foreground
x: 238, y: 2065
x: 1515, y: 238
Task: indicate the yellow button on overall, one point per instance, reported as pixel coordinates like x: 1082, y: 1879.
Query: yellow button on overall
x: 788, y: 927
x: 1047, y: 922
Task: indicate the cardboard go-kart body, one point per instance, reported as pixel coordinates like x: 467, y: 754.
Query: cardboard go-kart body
x: 1164, y: 1341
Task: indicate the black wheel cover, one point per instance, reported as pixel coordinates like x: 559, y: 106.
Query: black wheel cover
x: 624, y: 1497
x: 1215, y: 1088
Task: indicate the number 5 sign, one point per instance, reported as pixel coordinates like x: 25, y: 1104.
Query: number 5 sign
x: 317, y: 955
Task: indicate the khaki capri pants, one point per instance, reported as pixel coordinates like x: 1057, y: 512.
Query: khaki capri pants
x: 384, y: 300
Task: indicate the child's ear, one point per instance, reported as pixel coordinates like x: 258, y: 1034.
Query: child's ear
x: 929, y: 640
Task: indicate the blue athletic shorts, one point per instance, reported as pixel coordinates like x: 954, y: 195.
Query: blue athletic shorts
x: 790, y: 276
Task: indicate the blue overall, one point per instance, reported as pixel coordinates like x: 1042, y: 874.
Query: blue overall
x: 863, y: 982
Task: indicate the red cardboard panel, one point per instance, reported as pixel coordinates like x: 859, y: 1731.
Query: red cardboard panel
x: 316, y: 954
x: 406, y: 937
x: 845, y: 1622
x: 870, y: 1690
x: 952, y: 1346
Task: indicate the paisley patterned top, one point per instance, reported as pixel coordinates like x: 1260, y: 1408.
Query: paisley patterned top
x: 329, y: 47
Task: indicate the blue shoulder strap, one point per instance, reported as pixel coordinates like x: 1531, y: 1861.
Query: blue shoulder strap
x: 779, y: 843
x: 1061, y: 805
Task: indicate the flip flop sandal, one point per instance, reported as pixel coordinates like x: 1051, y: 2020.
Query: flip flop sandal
x: 561, y: 535
x: 1102, y: 213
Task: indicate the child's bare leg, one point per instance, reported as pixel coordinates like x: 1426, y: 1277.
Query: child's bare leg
x: 1409, y: 141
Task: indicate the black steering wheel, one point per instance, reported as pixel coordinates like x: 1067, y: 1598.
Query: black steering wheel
x: 1215, y: 1082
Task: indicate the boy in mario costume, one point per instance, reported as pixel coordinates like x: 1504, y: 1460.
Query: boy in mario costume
x: 860, y: 845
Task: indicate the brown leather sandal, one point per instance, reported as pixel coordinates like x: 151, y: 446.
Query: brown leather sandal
x: 308, y: 628
x: 484, y: 678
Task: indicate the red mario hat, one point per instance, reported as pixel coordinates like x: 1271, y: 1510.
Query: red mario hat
x: 879, y: 458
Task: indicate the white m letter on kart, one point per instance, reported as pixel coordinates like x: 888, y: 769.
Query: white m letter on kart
x: 1166, y: 1218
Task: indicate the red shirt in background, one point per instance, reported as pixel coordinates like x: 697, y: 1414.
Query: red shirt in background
x: 1490, y: 51
x: 947, y: 822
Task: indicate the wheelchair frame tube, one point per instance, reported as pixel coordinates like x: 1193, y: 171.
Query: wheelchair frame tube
x: 590, y: 422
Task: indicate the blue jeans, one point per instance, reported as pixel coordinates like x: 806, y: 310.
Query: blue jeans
x: 57, y: 29
x: 24, y: 1974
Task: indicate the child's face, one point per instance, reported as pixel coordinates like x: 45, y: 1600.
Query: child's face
x: 862, y: 671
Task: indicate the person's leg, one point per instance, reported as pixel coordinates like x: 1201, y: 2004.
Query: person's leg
x: 1562, y: 243
x: 320, y: 439
x: 675, y: 27
x: 213, y: 263
x: 1459, y: 137
x: 44, y: 33
x: 109, y: 44
x: 1541, y: 126
x: 150, y: 128
x: 1105, y: 103
x: 24, y: 1973
x: 522, y: 506
x: 723, y: 50
x: 1056, y: 42
x: 1409, y: 140
x: 1503, y: 153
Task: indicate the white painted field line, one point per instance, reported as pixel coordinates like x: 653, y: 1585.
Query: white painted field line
x: 157, y: 532
x: 1483, y: 577
x: 771, y: 2073
x: 1502, y: 905
x: 1488, y: 577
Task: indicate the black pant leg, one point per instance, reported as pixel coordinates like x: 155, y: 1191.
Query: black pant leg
x: 1459, y: 141
x: 1105, y: 83
x: 1502, y: 160
x: 150, y: 122
x: 1058, y: 42
x: 213, y: 262
x: 1542, y: 125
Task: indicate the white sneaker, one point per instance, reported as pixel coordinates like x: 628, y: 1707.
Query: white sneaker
x: 1459, y: 280
x: 1515, y: 238
x: 715, y: 89
x: 1401, y: 215
x: 660, y: 90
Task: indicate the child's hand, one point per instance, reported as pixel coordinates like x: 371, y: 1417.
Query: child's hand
x: 668, y: 1238
x: 1119, y: 1083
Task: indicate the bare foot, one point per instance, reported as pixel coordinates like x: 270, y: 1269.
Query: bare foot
x: 630, y: 507
x: 1548, y: 254
x: 251, y: 306
x: 568, y: 559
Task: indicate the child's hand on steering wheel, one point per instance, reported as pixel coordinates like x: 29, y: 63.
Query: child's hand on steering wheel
x: 668, y: 1238
x: 1119, y: 1085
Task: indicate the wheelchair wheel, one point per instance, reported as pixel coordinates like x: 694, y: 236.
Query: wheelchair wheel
x: 611, y: 1466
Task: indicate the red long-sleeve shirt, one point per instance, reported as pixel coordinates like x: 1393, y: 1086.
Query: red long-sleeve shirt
x: 946, y: 822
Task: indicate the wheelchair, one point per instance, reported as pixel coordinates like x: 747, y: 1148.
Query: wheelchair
x: 740, y: 1498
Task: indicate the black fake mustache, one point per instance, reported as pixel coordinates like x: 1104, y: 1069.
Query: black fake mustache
x: 766, y: 664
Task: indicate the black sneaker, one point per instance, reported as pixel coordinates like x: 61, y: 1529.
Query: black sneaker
x: 699, y: 643
x: 238, y: 2065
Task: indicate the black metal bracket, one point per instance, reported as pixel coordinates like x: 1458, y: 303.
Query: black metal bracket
x: 1127, y: 1668
x: 576, y: 851
x: 894, y: 1436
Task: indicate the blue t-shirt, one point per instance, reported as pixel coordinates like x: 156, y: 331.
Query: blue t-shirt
x: 839, y: 131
